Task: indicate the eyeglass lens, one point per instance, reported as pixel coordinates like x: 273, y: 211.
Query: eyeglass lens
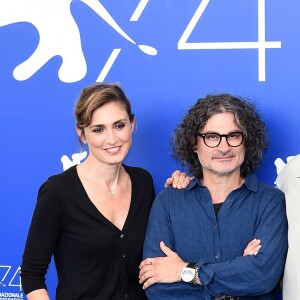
x: 234, y: 139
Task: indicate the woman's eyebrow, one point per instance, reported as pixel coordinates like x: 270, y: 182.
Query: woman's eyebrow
x: 101, y: 125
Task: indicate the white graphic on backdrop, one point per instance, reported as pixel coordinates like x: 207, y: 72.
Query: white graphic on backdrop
x: 10, y: 277
x: 139, y: 10
x: 261, y: 45
x: 76, y: 159
x: 60, y: 36
x: 279, y: 163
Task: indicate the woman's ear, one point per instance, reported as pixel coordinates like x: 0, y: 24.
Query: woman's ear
x: 80, y: 133
x: 132, y: 126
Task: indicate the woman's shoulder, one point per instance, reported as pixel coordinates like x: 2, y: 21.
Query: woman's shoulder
x: 62, y: 179
x: 68, y: 173
x: 137, y: 172
x: 60, y: 188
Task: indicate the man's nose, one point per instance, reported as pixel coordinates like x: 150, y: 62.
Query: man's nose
x: 223, y: 143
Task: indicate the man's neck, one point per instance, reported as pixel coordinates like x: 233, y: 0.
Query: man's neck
x: 221, y: 186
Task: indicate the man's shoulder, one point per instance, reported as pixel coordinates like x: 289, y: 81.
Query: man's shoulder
x: 176, y: 196
x: 265, y: 187
x: 268, y: 192
x: 255, y: 184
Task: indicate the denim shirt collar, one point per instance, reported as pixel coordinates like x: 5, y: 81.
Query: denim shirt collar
x: 251, y: 183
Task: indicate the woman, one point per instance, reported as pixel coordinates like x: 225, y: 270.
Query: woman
x: 93, y: 216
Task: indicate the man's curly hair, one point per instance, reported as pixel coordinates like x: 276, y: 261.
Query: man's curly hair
x: 246, y: 118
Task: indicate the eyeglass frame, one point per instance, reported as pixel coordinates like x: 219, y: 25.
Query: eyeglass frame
x: 203, y: 135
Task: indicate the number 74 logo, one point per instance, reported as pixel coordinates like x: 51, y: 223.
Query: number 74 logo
x: 15, y: 277
x: 261, y: 45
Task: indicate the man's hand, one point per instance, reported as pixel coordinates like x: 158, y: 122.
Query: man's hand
x: 161, y: 269
x: 253, y: 247
x: 179, y: 180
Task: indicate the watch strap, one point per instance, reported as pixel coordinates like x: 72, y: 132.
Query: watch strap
x: 191, y: 265
x: 196, y: 274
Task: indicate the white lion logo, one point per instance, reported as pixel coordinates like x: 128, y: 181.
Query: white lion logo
x: 59, y: 35
x: 76, y: 159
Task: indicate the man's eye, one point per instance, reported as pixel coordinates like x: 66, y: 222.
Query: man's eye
x: 212, y: 136
x: 234, y: 135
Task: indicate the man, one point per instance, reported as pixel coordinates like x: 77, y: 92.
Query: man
x: 288, y: 181
x: 225, y: 235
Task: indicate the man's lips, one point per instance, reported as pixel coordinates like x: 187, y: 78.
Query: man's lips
x: 223, y: 157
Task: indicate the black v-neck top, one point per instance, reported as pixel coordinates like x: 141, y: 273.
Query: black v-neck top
x: 94, y: 259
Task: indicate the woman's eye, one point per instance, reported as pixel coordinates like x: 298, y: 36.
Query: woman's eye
x: 96, y: 130
x: 120, y: 126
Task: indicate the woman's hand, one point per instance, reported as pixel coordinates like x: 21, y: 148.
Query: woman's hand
x: 179, y: 180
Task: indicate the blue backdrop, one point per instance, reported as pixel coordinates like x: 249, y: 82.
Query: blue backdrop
x: 166, y: 54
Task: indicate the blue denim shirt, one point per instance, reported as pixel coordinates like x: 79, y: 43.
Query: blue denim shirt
x: 185, y: 220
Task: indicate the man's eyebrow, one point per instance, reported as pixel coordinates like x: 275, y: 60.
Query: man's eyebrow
x: 231, y: 131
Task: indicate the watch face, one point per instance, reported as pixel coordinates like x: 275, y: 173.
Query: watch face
x: 188, y: 274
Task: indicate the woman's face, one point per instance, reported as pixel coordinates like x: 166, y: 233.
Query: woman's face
x: 109, y: 135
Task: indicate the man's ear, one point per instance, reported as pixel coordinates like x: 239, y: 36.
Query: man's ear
x: 80, y: 133
x: 195, y: 148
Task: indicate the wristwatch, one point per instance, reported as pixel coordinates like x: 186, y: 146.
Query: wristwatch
x: 189, y: 273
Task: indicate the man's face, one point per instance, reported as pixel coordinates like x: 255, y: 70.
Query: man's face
x: 222, y: 160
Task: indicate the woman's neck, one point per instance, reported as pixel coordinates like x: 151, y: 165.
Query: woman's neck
x: 102, y: 174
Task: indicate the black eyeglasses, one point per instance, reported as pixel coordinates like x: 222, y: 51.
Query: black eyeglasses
x: 213, y: 139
